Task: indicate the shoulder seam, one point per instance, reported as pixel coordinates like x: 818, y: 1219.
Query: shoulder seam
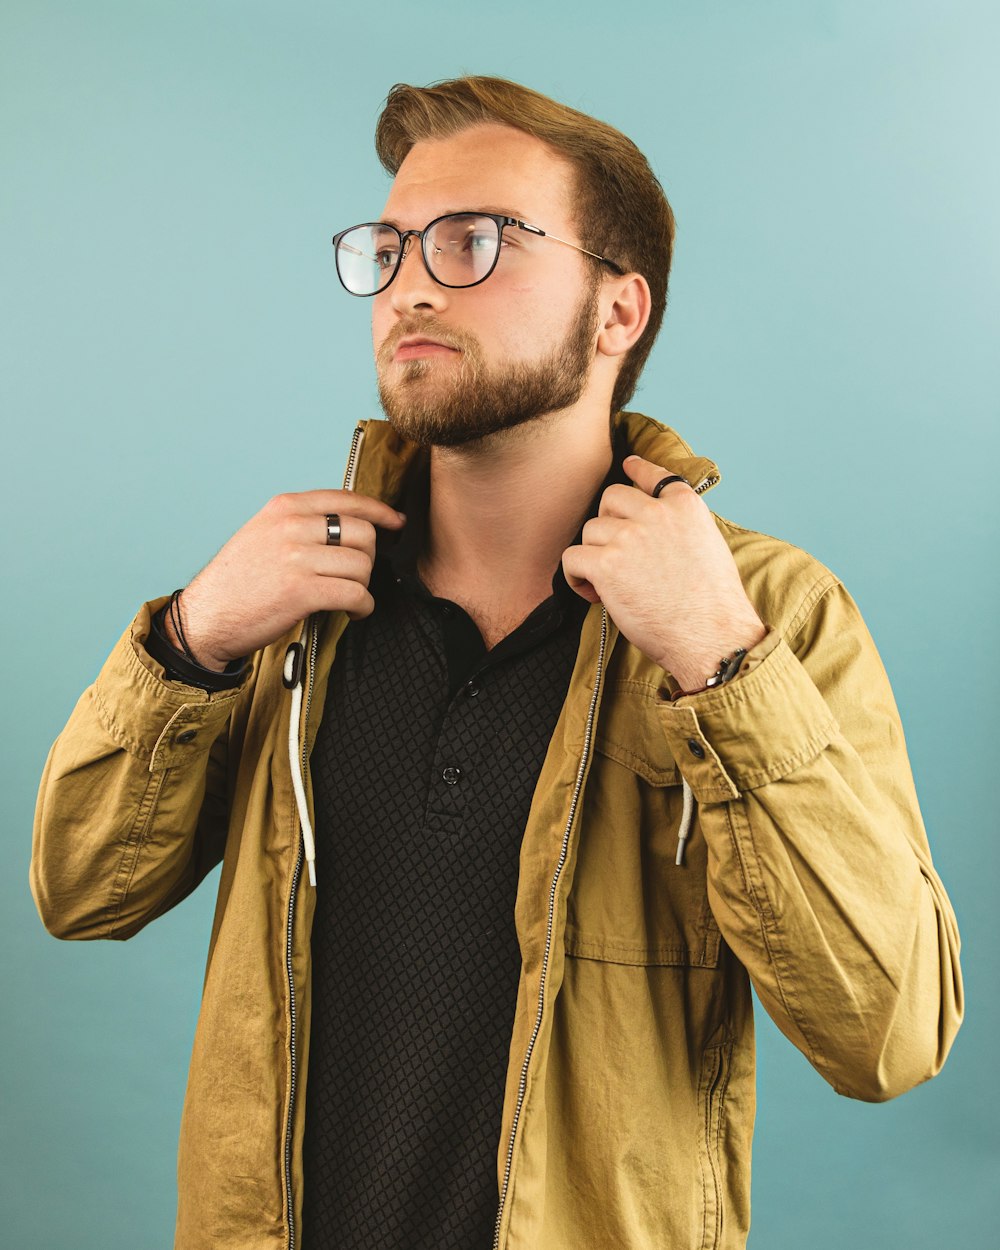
x: 812, y: 597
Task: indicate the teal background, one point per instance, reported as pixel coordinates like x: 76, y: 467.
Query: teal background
x: 175, y: 349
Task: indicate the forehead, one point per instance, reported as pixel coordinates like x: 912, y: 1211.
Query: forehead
x: 491, y: 167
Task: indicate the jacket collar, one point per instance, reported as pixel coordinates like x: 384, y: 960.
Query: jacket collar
x: 383, y: 462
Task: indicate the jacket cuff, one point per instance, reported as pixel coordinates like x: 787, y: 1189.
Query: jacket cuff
x: 165, y: 722
x: 177, y: 666
x: 755, y: 729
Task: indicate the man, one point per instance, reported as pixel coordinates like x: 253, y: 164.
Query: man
x: 516, y: 791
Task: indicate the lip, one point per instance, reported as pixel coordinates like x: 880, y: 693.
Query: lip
x: 417, y: 346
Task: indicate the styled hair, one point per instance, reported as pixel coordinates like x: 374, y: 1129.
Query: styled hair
x: 621, y: 210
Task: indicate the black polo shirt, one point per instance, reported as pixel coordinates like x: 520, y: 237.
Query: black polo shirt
x: 423, y: 772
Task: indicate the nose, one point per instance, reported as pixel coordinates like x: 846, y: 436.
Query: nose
x: 413, y: 287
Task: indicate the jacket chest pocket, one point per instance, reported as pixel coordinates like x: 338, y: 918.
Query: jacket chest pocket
x: 630, y: 902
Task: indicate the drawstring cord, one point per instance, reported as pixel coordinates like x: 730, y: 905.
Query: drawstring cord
x: 293, y: 680
x: 687, y: 814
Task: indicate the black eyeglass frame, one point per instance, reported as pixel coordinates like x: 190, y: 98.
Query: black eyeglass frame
x: 403, y: 235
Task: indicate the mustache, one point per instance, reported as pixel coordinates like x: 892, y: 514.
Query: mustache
x: 427, y: 326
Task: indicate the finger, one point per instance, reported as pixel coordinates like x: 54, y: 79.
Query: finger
x: 623, y: 501
x: 645, y: 474
x: 576, y: 569
x: 302, y: 533
x: 346, y: 503
x: 601, y: 530
x: 344, y: 594
x: 355, y: 532
x: 341, y: 562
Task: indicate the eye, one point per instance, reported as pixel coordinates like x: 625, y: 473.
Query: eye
x: 385, y: 248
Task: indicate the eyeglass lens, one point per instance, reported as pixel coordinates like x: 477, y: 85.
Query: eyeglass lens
x: 460, y: 250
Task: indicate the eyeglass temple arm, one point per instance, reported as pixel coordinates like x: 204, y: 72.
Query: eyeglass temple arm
x: 525, y: 225
x: 355, y: 251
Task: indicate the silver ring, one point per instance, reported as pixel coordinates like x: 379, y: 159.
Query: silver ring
x: 332, y: 529
x: 672, y: 477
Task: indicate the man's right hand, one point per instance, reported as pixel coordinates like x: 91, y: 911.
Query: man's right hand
x: 278, y: 569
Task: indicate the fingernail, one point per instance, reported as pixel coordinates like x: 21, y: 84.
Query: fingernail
x: 401, y: 515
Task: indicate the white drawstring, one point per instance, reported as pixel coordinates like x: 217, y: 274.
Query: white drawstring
x: 295, y: 753
x: 686, y: 816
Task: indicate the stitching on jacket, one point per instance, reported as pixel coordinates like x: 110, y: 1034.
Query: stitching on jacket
x: 827, y: 578
x: 818, y: 591
x: 628, y: 955
x: 726, y: 1056
x: 712, y: 1089
x: 114, y: 731
x: 757, y: 902
x: 639, y: 764
x: 775, y: 953
x: 132, y: 847
x: 781, y: 768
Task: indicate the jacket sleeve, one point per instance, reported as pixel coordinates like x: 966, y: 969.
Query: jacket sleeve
x: 819, y: 871
x: 132, y: 810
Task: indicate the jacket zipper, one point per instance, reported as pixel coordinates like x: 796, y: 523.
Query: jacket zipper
x: 296, y: 875
x: 522, y: 1084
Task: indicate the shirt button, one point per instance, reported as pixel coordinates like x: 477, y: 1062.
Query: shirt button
x: 696, y: 749
x: 188, y: 735
x: 472, y: 688
x: 451, y: 775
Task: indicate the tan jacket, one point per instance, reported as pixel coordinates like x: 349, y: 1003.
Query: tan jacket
x: 629, y: 1101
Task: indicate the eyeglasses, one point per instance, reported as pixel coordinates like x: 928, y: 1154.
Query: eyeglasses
x: 459, y: 250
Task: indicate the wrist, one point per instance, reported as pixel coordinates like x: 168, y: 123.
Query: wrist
x: 177, y: 666
x: 694, y: 667
x: 188, y: 642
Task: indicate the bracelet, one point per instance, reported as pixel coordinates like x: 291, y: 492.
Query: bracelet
x: 174, y: 609
x: 179, y: 667
x: 729, y: 666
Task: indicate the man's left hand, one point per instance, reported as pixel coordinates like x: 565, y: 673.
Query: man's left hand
x: 665, y: 575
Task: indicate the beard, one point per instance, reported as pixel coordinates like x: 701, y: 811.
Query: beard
x: 474, y: 400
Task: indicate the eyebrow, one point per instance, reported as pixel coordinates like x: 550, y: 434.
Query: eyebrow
x: 501, y: 212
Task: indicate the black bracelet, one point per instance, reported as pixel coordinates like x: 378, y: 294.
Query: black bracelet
x: 175, y: 620
x: 180, y: 666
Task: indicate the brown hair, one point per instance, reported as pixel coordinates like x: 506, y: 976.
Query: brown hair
x: 622, y: 212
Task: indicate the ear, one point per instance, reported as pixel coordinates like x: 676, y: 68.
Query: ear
x: 626, y: 304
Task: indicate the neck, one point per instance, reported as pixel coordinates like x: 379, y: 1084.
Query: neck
x: 503, y: 510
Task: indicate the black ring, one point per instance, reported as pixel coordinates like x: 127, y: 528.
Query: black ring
x: 332, y: 529
x: 673, y: 477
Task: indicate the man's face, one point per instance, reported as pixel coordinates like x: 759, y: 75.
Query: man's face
x: 515, y: 347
